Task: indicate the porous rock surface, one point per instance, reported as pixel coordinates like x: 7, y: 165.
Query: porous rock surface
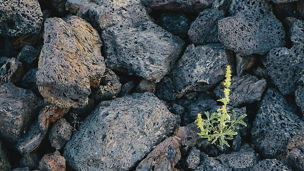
x: 60, y: 133
x: 119, y: 133
x: 20, y: 17
x: 295, y: 151
x: 70, y: 60
x: 193, y: 159
x: 270, y: 164
x: 147, y: 50
x: 210, y: 163
x: 50, y: 162
x: 275, y: 124
x: 237, y: 6
x: 299, y: 93
x: 297, y: 32
x: 176, y: 23
x: 251, y: 32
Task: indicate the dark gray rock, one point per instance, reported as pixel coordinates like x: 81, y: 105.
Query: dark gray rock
x: 30, y: 160
x: 244, y: 90
x: 4, y: 163
x: 18, y: 107
x: 58, y: 6
x: 283, y: 1
x: 105, y: 140
x: 28, y: 56
x: 193, y: 159
x: 275, y: 124
x: 19, y: 17
x: 200, y: 68
x: 10, y: 70
x: 243, y: 159
x: 29, y: 80
x: 109, y: 86
x: 251, y: 32
x: 295, y: 151
x: 147, y: 51
x: 284, y: 66
x: 52, y: 162
x: 244, y: 63
x: 205, y: 29
x: 60, y: 133
x: 70, y: 61
x: 297, y: 32
x: 176, y: 23
x: 300, y: 97
x: 270, y: 164
x: 165, y: 89
x: 127, y: 88
x: 22, y: 169
x: 211, y: 164
x: 145, y: 85
x: 247, y: 5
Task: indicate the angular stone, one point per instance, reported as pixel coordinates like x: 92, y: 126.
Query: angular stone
x: 4, y: 163
x: 199, y: 68
x: 19, y: 17
x: 205, y: 29
x: 163, y: 157
x: 105, y: 140
x: 210, y: 163
x: 251, y: 32
x: 52, y: 162
x: 10, y: 70
x: 70, y: 61
x: 247, y: 5
x: 270, y: 164
x: 60, y: 133
x: 147, y: 51
x: 275, y: 124
x: 18, y: 107
x: 145, y: 85
x: 297, y: 32
x: 295, y: 153
x: 244, y: 90
x: 28, y: 56
x: 193, y: 159
x: 176, y: 23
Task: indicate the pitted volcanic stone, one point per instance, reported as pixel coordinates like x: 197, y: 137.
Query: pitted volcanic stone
x: 246, y: 5
x: 20, y: 17
x: 176, y: 23
x: 119, y: 133
x: 275, y: 124
x: 193, y: 159
x: 205, y: 29
x: 147, y: 51
x: 283, y: 1
x: 251, y: 32
x: 297, y: 32
x: 299, y: 93
x: 211, y: 163
x: 270, y: 164
x: 60, y: 133
x: 28, y: 56
x: 70, y: 60
x: 199, y: 68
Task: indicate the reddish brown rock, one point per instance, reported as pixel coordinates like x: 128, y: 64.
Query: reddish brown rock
x: 52, y: 162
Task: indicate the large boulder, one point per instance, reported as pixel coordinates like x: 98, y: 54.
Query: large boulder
x: 119, y: 133
x: 70, y: 61
x: 147, y: 51
x: 20, y: 17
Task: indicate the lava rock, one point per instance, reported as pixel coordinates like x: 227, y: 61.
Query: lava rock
x: 10, y: 71
x: 244, y: 63
x: 60, y: 133
x: 193, y: 159
x: 243, y: 159
x: 283, y: 1
x: 275, y: 124
x: 295, y: 151
x: 237, y: 6
x: 105, y: 140
x: 270, y: 164
x: 28, y: 56
x: 127, y: 88
x: 244, y: 90
x: 300, y: 97
x: 163, y: 157
x: 297, y: 32
x: 29, y: 80
x: 19, y: 17
x: 70, y: 61
x: 205, y: 29
x: 178, y: 5
x: 176, y: 23
x: 251, y: 32
x: 4, y: 163
x: 200, y: 68
x: 109, y: 86
x: 18, y: 107
x: 145, y: 85
x: 210, y: 163
x: 147, y: 51
x: 50, y: 162
x: 30, y: 161
x: 165, y: 89
x: 22, y: 169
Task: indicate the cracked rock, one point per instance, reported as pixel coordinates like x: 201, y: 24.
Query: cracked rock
x: 105, y: 140
x: 70, y: 61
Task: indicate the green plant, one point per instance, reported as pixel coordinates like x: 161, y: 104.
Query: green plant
x: 221, y: 125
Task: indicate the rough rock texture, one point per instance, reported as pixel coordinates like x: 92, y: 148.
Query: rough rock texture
x: 179, y: 5
x: 165, y: 89
x: 60, y: 133
x: 4, y: 163
x: 199, y: 68
x: 147, y: 51
x: 193, y: 159
x: 18, y: 107
x: 28, y: 55
x: 246, y: 5
x: 245, y: 89
x: 10, y: 70
x: 300, y: 97
x: 20, y: 17
x: 109, y: 86
x: 211, y: 164
x: 275, y: 124
x: 163, y: 157
x: 245, y: 158
x: 270, y: 164
x: 105, y: 140
x: 205, y: 29
x: 295, y: 153
x: 284, y: 66
x: 251, y: 32
x: 145, y: 85
x: 283, y: 1
x: 52, y: 162
x: 297, y: 32
x: 70, y: 60
x: 176, y: 23
x: 22, y: 169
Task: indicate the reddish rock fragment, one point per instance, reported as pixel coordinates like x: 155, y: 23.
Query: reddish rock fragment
x: 52, y: 162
